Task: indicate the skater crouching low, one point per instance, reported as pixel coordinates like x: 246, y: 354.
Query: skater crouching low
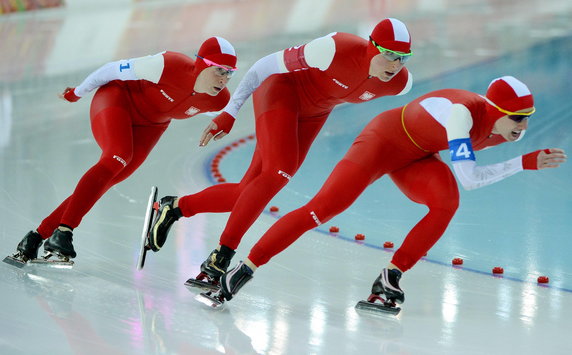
x: 136, y: 100
x: 293, y: 91
x: 404, y: 144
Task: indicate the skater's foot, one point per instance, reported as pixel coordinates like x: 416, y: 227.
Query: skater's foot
x: 387, y: 284
x: 232, y: 281
x: 168, y: 214
x: 29, y: 246
x: 217, y: 262
x: 61, y: 243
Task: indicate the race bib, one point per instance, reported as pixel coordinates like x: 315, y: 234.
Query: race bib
x: 461, y: 149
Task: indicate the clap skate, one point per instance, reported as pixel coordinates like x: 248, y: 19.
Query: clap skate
x: 212, y: 269
x: 204, y: 282
x: 58, y: 250
x: 231, y: 283
x: 151, y: 211
x: 54, y: 259
x: 212, y: 299
x: 383, y: 306
x: 27, y: 250
x: 386, y: 285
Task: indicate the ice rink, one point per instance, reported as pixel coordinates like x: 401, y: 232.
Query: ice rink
x: 303, y: 301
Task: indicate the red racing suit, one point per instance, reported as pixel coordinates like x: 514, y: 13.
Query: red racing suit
x: 404, y: 143
x: 294, y: 92
x: 135, y: 102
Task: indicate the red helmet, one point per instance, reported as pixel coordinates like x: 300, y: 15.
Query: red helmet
x: 509, y: 94
x: 218, y: 50
x: 390, y: 34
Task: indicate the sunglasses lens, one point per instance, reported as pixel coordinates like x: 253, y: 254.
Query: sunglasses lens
x: 391, y: 56
x: 224, y: 72
x: 518, y: 118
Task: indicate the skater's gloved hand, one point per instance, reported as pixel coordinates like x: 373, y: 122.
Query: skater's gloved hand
x: 69, y: 95
x: 219, y: 127
x: 543, y: 159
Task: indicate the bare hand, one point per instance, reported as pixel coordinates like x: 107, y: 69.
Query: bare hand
x: 553, y: 159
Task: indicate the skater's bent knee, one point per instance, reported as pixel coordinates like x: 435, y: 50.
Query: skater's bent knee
x: 448, y: 210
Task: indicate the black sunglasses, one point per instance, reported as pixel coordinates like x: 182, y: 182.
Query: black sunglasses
x: 518, y: 118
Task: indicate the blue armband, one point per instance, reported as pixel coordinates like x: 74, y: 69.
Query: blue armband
x: 461, y: 149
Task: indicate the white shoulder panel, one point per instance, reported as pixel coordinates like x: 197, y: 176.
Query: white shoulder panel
x: 439, y: 108
x: 149, y: 67
x: 460, y: 122
x: 320, y: 52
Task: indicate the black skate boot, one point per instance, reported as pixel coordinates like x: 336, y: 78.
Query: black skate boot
x: 166, y: 216
x: 60, y: 243
x: 230, y: 283
x: 387, y: 283
x: 386, y: 290
x: 212, y: 269
x: 30, y: 244
x: 27, y: 249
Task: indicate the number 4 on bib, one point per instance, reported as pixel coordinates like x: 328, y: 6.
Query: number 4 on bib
x: 461, y: 149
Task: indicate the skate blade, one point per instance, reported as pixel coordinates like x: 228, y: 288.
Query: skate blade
x: 62, y: 262
x: 142, y: 256
x: 377, y: 308
x: 194, y: 284
x: 14, y: 261
x: 211, y: 300
x: 149, y: 216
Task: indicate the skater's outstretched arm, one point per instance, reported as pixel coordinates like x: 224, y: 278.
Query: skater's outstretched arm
x: 473, y: 176
x: 148, y: 68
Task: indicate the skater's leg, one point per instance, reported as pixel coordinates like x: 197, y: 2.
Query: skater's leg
x: 278, y: 145
x: 221, y: 197
x: 144, y: 140
x: 429, y: 182
x: 124, y: 148
x: 367, y: 160
x: 107, y: 115
x: 51, y: 222
x: 218, y: 198
x: 275, y: 129
x: 113, y: 131
x: 344, y: 185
